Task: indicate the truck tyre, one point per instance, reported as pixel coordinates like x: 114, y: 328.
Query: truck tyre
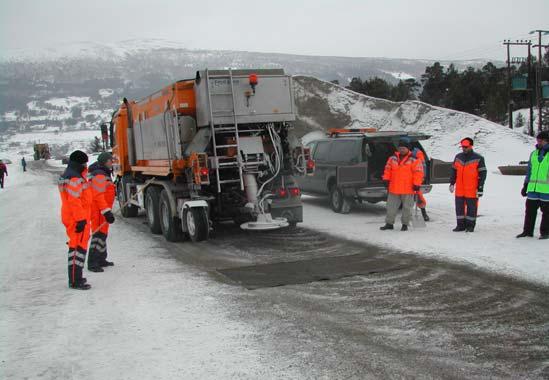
x: 152, y: 208
x: 197, y: 224
x: 169, y: 223
x: 339, y: 203
x: 127, y: 211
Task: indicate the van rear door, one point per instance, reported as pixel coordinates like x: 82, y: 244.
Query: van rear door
x: 439, y: 171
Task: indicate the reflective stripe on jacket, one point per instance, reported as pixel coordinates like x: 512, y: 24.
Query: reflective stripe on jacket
x: 103, y: 189
x: 75, y: 195
x: 403, y: 174
x: 539, y: 173
x: 468, y: 174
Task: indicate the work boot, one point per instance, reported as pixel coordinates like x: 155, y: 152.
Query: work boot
x: 459, y: 229
x: 95, y: 268
x: 524, y: 234
x: 387, y: 226
x: 80, y: 285
x: 106, y: 263
x: 470, y: 229
x: 404, y: 227
x: 424, y: 214
x: 544, y: 237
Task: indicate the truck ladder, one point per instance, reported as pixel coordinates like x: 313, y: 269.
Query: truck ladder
x: 223, y: 162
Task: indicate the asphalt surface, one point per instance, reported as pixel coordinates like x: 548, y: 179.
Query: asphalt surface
x: 427, y: 319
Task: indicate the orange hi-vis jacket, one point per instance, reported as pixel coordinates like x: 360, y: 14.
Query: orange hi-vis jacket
x: 76, y: 197
x: 76, y: 200
x: 103, y: 189
x: 403, y: 173
x: 104, y: 193
x: 468, y: 174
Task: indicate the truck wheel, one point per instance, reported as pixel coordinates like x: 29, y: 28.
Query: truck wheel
x: 197, y: 224
x: 339, y: 203
x: 127, y: 211
x: 169, y: 223
x: 152, y: 208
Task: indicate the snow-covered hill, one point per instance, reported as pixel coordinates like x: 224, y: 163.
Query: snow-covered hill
x: 322, y: 105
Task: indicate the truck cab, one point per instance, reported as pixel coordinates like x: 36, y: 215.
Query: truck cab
x: 349, y: 165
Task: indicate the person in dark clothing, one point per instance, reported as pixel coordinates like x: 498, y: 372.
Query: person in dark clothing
x: 536, y: 189
x: 24, y: 164
x: 104, y: 193
x: 3, y: 171
x: 467, y: 180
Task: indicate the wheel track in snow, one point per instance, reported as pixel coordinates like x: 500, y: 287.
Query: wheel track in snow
x: 495, y: 326
x: 434, y: 317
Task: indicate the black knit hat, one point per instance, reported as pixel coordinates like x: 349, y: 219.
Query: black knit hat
x: 543, y: 135
x: 404, y: 142
x: 79, y: 157
x: 104, y: 157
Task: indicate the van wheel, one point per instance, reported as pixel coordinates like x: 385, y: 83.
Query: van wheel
x: 339, y: 203
x: 127, y: 211
x: 197, y: 223
x: 152, y: 208
x: 170, y: 224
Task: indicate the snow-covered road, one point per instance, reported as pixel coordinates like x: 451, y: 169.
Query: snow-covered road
x: 161, y: 313
x: 147, y: 317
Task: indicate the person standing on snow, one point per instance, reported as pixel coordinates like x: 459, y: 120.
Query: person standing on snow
x: 536, y: 189
x: 104, y: 193
x: 24, y: 164
x: 404, y: 175
x: 467, y: 180
x: 76, y: 199
x: 420, y: 199
x: 3, y: 171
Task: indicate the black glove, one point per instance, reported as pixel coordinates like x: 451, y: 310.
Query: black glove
x: 80, y: 226
x: 386, y: 184
x: 524, y: 191
x: 109, y: 217
x: 416, y: 188
x: 480, y: 191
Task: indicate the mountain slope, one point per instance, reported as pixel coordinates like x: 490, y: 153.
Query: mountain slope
x: 322, y: 105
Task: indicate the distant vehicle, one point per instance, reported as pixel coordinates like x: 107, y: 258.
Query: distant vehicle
x: 41, y: 152
x: 6, y: 161
x: 350, y: 164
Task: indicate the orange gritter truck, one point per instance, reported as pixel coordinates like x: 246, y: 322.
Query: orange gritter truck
x: 211, y: 149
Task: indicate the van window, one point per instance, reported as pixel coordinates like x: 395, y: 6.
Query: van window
x: 343, y: 151
x: 322, y: 150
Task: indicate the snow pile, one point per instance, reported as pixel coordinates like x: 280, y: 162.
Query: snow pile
x: 322, y: 105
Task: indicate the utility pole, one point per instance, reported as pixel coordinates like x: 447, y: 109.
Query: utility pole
x: 538, y: 75
x: 508, y: 43
x: 531, y: 93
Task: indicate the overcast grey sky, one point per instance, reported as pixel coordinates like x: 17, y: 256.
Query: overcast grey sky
x: 434, y: 29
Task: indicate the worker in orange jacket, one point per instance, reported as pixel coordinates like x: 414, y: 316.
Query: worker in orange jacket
x: 421, y: 202
x: 76, y: 201
x: 467, y: 181
x: 403, y: 175
x: 104, y: 193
